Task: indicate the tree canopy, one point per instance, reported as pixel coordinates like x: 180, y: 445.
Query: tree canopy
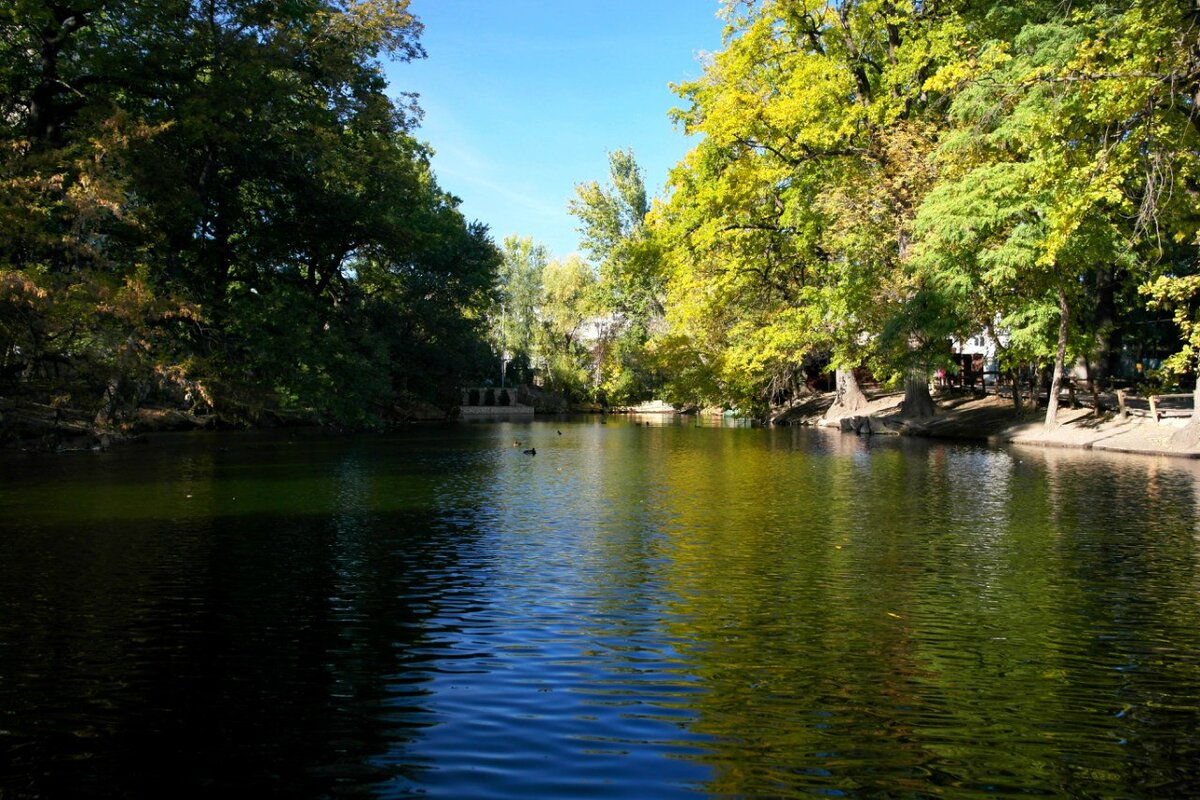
x: 218, y: 200
x: 216, y: 204
x: 874, y: 178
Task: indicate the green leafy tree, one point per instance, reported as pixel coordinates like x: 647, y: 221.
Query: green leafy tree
x: 791, y: 220
x: 612, y: 229
x: 875, y: 178
x: 569, y: 299
x: 515, y: 320
x: 1065, y: 143
x: 219, y: 200
x: 614, y: 234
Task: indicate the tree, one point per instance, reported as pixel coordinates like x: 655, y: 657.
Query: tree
x: 515, y: 323
x: 219, y: 199
x: 615, y: 235
x: 612, y: 232
x: 1067, y: 141
x: 569, y: 299
x: 876, y: 178
x: 790, y: 222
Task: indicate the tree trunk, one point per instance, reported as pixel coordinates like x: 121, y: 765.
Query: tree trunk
x: 848, y: 397
x: 107, y: 414
x: 1016, y: 389
x: 1107, y: 348
x: 918, y: 402
x: 1060, y: 358
x: 1189, y: 435
x: 1094, y: 386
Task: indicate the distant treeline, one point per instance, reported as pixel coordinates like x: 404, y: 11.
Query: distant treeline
x: 215, y: 205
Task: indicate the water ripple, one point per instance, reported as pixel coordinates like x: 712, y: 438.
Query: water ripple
x: 636, y: 611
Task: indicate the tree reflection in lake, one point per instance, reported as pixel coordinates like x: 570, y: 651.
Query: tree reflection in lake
x: 640, y: 609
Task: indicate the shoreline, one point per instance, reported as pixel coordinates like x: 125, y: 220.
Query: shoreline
x: 993, y: 419
x: 989, y: 419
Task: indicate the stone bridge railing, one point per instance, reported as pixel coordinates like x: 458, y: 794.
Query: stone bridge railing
x: 494, y: 397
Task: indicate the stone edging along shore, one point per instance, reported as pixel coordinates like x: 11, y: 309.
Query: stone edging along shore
x: 993, y: 419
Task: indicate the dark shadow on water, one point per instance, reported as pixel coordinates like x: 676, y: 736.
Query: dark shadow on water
x: 278, y: 655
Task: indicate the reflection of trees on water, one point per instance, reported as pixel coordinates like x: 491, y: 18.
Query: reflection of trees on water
x: 780, y: 609
x: 930, y: 615
x: 1126, y: 544
x: 770, y: 569
x: 260, y: 649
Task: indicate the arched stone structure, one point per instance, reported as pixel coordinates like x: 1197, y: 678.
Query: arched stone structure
x: 485, y: 400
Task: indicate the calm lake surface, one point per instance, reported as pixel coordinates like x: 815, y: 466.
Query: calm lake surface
x: 650, y: 611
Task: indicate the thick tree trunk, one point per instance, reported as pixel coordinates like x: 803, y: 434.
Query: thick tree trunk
x: 848, y: 397
x: 1189, y: 435
x: 1060, y: 358
x: 918, y: 402
x: 52, y: 101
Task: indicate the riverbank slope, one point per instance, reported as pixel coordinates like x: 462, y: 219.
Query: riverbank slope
x: 993, y: 419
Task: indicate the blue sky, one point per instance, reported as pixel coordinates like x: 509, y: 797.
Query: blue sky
x: 524, y: 98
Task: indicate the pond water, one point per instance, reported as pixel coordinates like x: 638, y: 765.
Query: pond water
x: 640, y: 610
